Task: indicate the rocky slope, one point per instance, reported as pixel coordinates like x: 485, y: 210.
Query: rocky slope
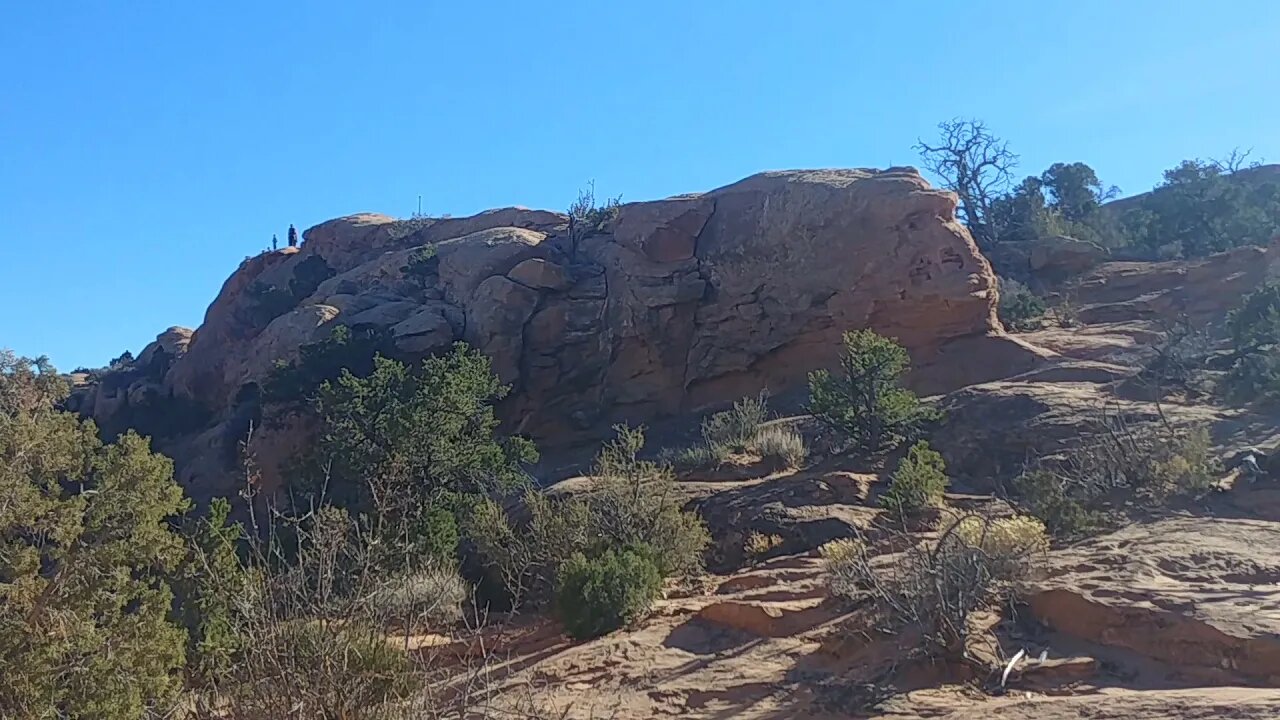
x: 1177, y: 616
x: 689, y: 302
x: 658, y: 309
x: 1173, y: 619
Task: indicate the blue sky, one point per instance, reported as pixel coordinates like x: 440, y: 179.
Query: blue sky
x: 147, y: 147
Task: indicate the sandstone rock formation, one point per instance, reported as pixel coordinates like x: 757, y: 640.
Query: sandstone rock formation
x: 1200, y: 289
x: 672, y: 305
x: 1047, y: 260
x: 1199, y: 594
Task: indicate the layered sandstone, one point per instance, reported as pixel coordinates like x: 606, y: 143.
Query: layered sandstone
x: 664, y: 307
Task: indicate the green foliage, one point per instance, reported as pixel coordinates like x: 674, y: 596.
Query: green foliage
x: 124, y: 360
x: 422, y: 266
x: 601, y: 594
x: 207, y: 584
x: 1019, y: 308
x: 586, y: 218
x: 632, y: 502
x: 346, y: 349
x: 525, y: 560
x: 918, y: 483
x: 1066, y: 200
x: 736, y: 429
x: 1254, y: 329
x: 411, y: 449
x: 268, y: 301
x: 1075, y: 192
x: 1114, y: 467
x: 636, y: 502
x: 401, y: 229
x: 742, y: 429
x: 699, y: 456
x: 1205, y: 207
x: 781, y: 445
x: 84, y: 548
x: 1048, y: 497
x: 864, y: 399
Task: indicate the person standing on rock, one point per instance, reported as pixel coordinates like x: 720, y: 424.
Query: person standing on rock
x: 293, y: 236
x: 275, y: 243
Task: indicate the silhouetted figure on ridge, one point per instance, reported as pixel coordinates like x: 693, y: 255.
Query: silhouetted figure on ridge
x: 293, y: 237
x: 275, y: 244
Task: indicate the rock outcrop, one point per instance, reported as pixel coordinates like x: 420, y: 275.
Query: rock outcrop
x: 665, y: 307
x: 1199, y: 289
x: 1047, y: 260
x: 1197, y: 593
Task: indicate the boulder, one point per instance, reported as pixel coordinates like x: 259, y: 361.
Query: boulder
x: 540, y: 274
x: 1061, y: 256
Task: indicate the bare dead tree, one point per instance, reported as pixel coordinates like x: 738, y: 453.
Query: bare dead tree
x: 1237, y: 160
x: 975, y: 165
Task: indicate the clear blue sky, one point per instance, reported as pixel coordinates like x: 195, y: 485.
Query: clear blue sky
x: 147, y: 147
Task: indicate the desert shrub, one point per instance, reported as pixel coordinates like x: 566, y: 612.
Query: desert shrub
x: 86, y: 550
x: 757, y: 544
x: 436, y: 594
x: 1018, y: 539
x: 1049, y: 497
x: 918, y: 482
x: 598, y: 595
x: 421, y: 266
x: 207, y: 584
x: 783, y: 445
x: 699, y: 456
x: 636, y: 502
x: 294, y: 384
x: 1019, y: 308
x: 526, y: 560
x: 843, y: 561
x: 414, y: 449
x: 401, y: 229
x: 1178, y: 359
x: 1254, y: 330
x: 742, y: 429
x: 935, y: 587
x: 324, y: 622
x: 1116, y: 463
x: 586, y: 217
x: 864, y: 399
x: 328, y: 670
x: 1065, y: 312
x: 1253, y: 377
x: 737, y: 428
x: 632, y: 502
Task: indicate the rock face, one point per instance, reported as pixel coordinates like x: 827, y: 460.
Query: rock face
x: 1199, y: 289
x: 133, y: 394
x: 1197, y: 593
x: 667, y: 307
